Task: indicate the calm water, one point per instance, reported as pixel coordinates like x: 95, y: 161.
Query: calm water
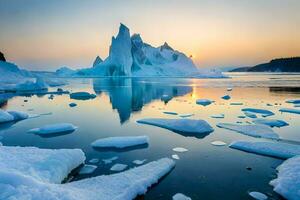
x: 205, y: 171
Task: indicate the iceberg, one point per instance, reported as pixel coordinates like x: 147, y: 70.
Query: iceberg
x: 271, y: 122
x: 189, y: 126
x: 175, y: 156
x: 118, y: 167
x: 287, y: 183
x: 5, y: 116
x: 120, y: 142
x: 18, y: 115
x: 204, y: 102
x: 273, y: 149
x: 250, y: 114
x: 226, y: 97
x: 294, y: 101
x: 180, y: 149
x: 170, y: 113
x: 218, y: 116
x: 54, y: 129
x: 258, y: 195
x: 180, y: 196
x: 82, y: 96
x: 254, y: 130
x: 186, y: 115
x: 218, y: 143
x: 290, y: 110
x: 29, y: 86
x: 139, y: 162
x: 258, y: 111
x: 72, y: 104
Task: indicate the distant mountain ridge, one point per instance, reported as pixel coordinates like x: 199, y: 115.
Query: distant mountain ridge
x: 275, y: 65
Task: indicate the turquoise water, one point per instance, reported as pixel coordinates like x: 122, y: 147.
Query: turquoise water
x: 205, y: 171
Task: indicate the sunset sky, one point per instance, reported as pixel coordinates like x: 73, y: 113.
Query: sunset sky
x: 45, y: 35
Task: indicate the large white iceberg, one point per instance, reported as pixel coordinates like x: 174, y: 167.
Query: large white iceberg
x: 287, y: 183
x: 254, y: 130
x: 274, y: 149
x: 180, y: 125
x: 121, y: 142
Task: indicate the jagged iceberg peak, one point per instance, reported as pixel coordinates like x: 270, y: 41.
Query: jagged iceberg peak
x: 97, y: 61
x: 166, y: 46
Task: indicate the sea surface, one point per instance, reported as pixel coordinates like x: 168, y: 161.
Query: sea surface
x: 205, y: 171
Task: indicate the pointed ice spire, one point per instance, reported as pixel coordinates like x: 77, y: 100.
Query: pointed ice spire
x: 166, y: 46
x: 97, y: 61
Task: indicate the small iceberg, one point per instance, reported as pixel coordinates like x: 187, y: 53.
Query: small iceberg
x: 5, y: 117
x: 287, y: 184
x: 229, y: 89
x: 120, y: 142
x: 166, y: 98
x: 218, y: 116
x: 82, y: 96
x: 226, y: 97
x: 258, y: 195
x: 29, y: 86
x: 180, y: 149
x: 118, y: 167
x: 204, y: 102
x: 190, y: 126
x: 273, y: 149
x: 293, y: 101
x: 72, y: 104
x: 258, y: 111
x: 87, y: 169
x: 236, y: 103
x: 139, y: 162
x: 186, y: 115
x: 54, y: 129
x: 290, y: 110
x: 218, y: 143
x: 94, y: 160
x: 170, y: 113
x: 175, y: 156
x: 250, y: 114
x: 254, y: 130
x: 9, y: 116
x: 271, y: 122
x: 180, y: 196
x: 110, y: 160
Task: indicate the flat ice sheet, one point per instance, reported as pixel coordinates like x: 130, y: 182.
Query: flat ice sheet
x: 271, y: 122
x: 121, y: 142
x: 53, y: 128
x: 290, y: 110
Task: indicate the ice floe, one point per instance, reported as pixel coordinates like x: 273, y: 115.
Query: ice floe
x: 258, y: 195
x: 218, y: 143
x: 218, y: 116
x: 110, y: 160
x: 250, y: 114
x: 94, y: 160
x: 204, y: 102
x: 30, y: 86
x: 175, y: 156
x: 82, y: 96
x: 180, y: 149
x: 54, y: 129
x: 271, y: 122
x: 120, y: 142
x: 180, y: 196
x: 170, y: 113
x: 118, y: 167
x: 273, y: 149
x: 139, y: 162
x: 226, y: 97
x: 72, y: 104
x: 258, y: 111
x: 290, y: 110
x: 180, y: 125
x: 236, y: 103
x: 294, y: 101
x: 254, y: 130
x: 287, y: 183
x: 185, y: 115
x: 87, y: 169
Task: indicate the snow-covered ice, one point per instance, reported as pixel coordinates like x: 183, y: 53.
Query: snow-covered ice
x: 175, y: 156
x: 258, y: 195
x: 180, y: 149
x: 180, y: 196
x: 120, y: 142
x: 82, y: 96
x: 290, y: 110
x: 258, y: 111
x: 218, y: 116
x: 273, y: 149
x: 218, y: 143
x: 53, y: 129
x: 254, y: 130
x: 110, y: 160
x: 139, y: 162
x: 118, y: 167
x: 87, y: 169
x: 180, y: 125
x: 287, y: 183
x: 204, y: 102
x: 271, y: 122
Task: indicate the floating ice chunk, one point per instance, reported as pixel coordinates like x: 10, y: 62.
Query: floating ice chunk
x: 274, y: 149
x: 185, y: 115
x: 30, y: 86
x: 250, y: 114
x: 139, y: 162
x: 218, y: 143
x: 120, y: 142
x: 110, y: 160
x: 242, y: 116
x: 204, y: 102
x: 294, y: 101
x: 5, y: 116
x: 258, y: 195
x: 53, y: 129
x: 229, y: 89
x: 122, y: 186
x: 254, y: 130
x: 226, y: 97
x: 46, y: 165
x: 258, y: 111
x: 287, y: 183
x: 236, y: 103
x: 18, y: 115
x: 118, y: 167
x: 166, y: 98
x: 218, y: 116
x: 290, y: 110
x: 82, y: 96
x: 72, y: 104
x: 180, y: 196
x: 180, y: 149
x: 268, y: 104
x: 180, y: 125
x: 94, y: 160
x: 87, y: 169
x: 175, y: 156
x: 170, y: 113
x: 271, y: 122
x: 296, y: 105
